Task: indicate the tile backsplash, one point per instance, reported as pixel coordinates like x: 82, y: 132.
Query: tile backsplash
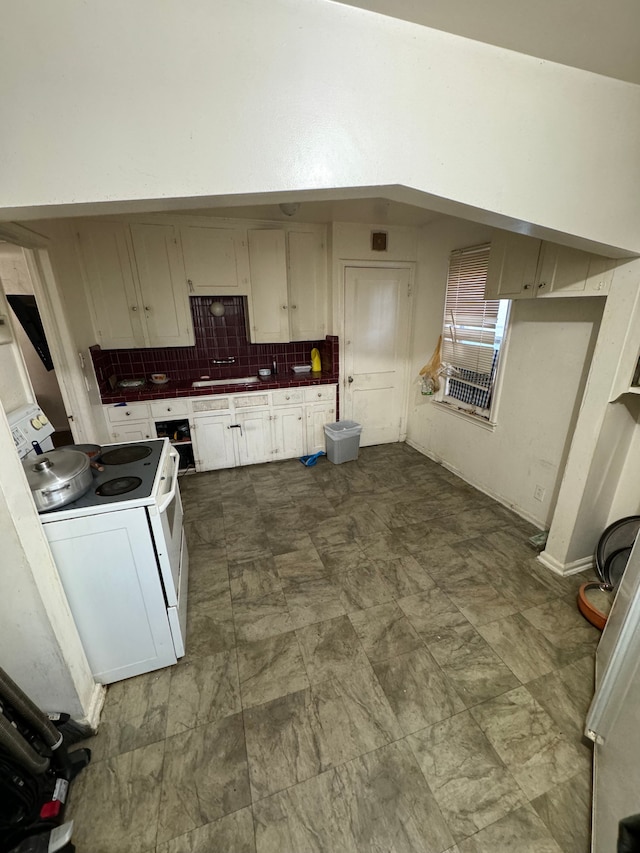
x: 215, y: 337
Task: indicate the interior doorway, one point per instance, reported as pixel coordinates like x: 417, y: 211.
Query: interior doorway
x: 17, y: 288
x: 376, y: 349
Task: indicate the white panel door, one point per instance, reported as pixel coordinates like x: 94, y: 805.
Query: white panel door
x: 213, y: 443
x: 216, y: 260
x: 376, y: 351
x: 108, y: 272
x: 253, y: 437
x: 108, y: 569
x: 269, y: 303
x: 308, y: 300
x: 288, y: 432
x: 165, y: 300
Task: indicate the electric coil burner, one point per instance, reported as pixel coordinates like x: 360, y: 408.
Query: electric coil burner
x: 119, y: 486
x: 126, y: 455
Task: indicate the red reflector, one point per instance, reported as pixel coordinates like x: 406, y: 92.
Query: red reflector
x: 50, y: 809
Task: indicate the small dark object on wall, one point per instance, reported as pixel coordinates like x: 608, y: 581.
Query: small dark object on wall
x: 379, y: 241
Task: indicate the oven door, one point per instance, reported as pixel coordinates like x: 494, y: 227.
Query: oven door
x: 165, y: 517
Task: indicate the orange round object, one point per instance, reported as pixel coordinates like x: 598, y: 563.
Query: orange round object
x: 592, y: 613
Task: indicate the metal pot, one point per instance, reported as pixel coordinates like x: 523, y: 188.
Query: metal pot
x: 58, y: 478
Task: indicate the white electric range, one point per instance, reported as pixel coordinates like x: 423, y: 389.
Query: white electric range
x: 121, y: 554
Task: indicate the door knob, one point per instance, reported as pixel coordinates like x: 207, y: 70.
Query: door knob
x: 350, y: 379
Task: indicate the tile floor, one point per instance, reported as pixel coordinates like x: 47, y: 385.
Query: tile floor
x: 375, y: 662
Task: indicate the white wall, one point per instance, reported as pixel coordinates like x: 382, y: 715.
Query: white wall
x: 545, y: 366
x: 15, y: 388
x: 129, y: 102
x: 15, y: 280
x: 40, y: 646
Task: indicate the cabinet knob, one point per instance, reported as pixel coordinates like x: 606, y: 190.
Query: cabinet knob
x: 319, y: 394
x: 127, y: 414
x: 294, y: 307
x: 527, y: 287
x: 284, y: 307
x: 146, y: 308
x: 287, y: 397
x: 542, y: 284
x: 168, y: 408
x: 134, y: 307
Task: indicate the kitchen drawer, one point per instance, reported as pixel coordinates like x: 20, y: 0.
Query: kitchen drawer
x: 320, y: 394
x: 119, y: 414
x: 214, y: 404
x: 173, y: 408
x: 287, y: 396
x: 250, y: 400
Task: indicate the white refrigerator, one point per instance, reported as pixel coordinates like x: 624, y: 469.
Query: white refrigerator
x: 613, y: 721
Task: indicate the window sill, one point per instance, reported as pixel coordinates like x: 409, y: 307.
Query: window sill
x: 467, y: 416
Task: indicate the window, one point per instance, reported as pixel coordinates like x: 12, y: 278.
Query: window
x: 472, y: 334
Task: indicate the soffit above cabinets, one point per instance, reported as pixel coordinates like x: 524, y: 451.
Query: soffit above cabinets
x: 598, y: 37
x: 380, y: 211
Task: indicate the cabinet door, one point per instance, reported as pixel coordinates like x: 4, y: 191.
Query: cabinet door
x: 165, y: 301
x: 213, y: 442
x: 254, y: 440
x: 563, y: 270
x: 307, y: 285
x: 216, y: 260
x: 108, y: 273
x: 317, y: 417
x: 131, y: 431
x: 288, y: 430
x: 513, y: 261
x: 269, y: 307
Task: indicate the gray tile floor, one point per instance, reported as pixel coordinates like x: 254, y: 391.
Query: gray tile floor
x: 375, y: 662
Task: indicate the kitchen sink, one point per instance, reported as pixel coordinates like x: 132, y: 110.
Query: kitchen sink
x: 208, y: 383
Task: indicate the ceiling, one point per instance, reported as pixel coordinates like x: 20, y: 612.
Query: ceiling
x: 595, y: 35
x: 375, y: 211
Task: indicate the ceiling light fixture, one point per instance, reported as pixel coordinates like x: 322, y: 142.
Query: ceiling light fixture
x: 289, y: 208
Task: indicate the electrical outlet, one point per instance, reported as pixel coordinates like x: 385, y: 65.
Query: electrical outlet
x: 538, y: 494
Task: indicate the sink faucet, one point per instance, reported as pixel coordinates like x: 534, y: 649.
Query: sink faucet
x: 230, y: 360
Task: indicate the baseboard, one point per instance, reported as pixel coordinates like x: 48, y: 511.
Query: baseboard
x: 518, y: 511
x: 565, y: 569
x: 92, y: 717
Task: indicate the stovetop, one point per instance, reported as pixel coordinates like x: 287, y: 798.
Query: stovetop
x: 137, y: 476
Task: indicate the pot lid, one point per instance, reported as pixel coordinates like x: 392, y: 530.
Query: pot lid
x: 55, y: 466
x: 614, y: 548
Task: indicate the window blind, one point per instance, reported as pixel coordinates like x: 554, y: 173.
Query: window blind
x: 469, y: 333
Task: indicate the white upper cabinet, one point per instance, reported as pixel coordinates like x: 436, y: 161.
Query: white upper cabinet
x: 289, y: 294
x: 269, y: 301
x: 522, y: 267
x: 165, y: 301
x: 308, y: 296
x: 105, y: 254
x: 513, y: 261
x: 135, y: 283
x: 216, y: 260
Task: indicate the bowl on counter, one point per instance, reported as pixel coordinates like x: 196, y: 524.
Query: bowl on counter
x: 264, y: 373
x: 159, y: 378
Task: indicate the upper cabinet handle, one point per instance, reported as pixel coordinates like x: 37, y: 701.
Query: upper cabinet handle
x: 542, y: 284
x: 190, y: 283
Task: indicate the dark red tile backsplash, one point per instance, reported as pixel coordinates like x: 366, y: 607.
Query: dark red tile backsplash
x: 215, y: 337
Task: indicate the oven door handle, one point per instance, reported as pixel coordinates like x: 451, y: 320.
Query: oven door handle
x: 174, y: 481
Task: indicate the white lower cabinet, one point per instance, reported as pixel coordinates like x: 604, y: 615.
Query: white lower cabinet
x: 253, y: 436
x: 318, y: 415
x: 288, y: 432
x: 132, y: 431
x: 213, y: 442
x: 244, y: 429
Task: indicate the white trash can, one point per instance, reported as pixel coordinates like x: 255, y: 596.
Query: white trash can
x: 343, y: 441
